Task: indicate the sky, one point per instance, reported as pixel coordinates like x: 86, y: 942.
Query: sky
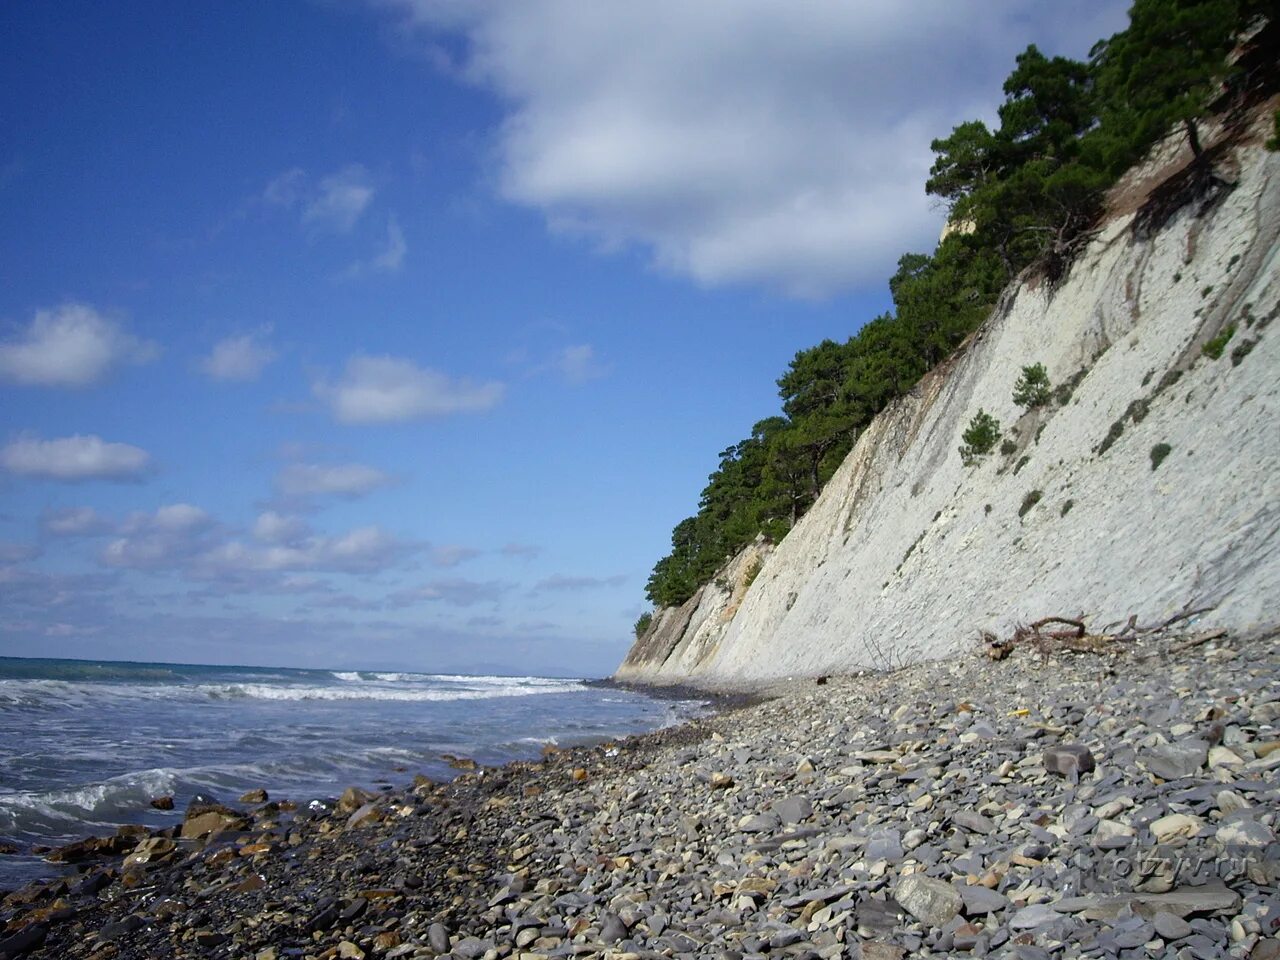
x: 400, y: 333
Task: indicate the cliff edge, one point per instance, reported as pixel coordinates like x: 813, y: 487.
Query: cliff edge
x: 1148, y: 486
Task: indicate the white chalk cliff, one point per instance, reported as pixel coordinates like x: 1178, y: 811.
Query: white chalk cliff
x: 908, y: 554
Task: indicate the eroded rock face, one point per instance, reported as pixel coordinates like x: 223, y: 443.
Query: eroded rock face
x: 908, y: 554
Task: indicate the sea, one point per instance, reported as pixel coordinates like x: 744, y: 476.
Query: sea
x: 86, y: 745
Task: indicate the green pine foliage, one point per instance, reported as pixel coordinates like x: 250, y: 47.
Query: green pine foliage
x: 1023, y: 195
x: 1033, y: 388
x: 643, y: 623
x: 979, y: 437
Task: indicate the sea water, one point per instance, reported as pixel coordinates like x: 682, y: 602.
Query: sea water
x: 85, y: 746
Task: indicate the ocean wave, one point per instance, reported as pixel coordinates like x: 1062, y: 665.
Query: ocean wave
x: 90, y: 805
x: 45, y: 695
x: 263, y: 691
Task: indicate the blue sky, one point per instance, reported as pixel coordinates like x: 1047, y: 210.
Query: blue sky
x: 400, y: 333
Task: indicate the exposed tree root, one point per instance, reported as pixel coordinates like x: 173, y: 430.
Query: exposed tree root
x: 1077, y: 639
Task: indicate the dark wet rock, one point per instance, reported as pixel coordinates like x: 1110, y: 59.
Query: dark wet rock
x: 1068, y: 760
x: 471, y: 948
x: 438, y: 938
x: 793, y: 809
x: 979, y: 900
x: 92, y: 883
x: 24, y: 941
x: 612, y: 929
x: 257, y: 795
x: 884, y: 845
x: 1213, y: 897
x: 1173, y: 761
x: 162, y: 803
x: 973, y: 821
x: 121, y: 928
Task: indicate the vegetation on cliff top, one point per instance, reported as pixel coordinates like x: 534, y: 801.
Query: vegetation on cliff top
x: 1021, y: 195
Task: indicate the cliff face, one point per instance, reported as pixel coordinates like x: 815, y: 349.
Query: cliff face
x: 908, y: 553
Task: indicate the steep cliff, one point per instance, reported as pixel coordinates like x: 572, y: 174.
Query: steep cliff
x: 908, y: 553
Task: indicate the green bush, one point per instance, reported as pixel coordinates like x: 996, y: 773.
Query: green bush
x: 752, y: 572
x: 1008, y: 447
x: 1213, y: 349
x: 1242, y: 351
x: 1033, y: 388
x: 1029, y: 501
x: 1066, y: 508
x: 643, y: 624
x: 1112, y: 436
x: 1158, y: 453
x: 979, y: 437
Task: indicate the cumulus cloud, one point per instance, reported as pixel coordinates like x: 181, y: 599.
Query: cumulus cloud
x: 386, y: 389
x: 521, y: 551
x: 391, y: 256
x: 559, y: 582
x: 241, y: 357
x: 743, y: 140
x: 73, y: 459
x: 362, y: 550
x: 340, y: 200
x: 286, y: 189
x: 273, y: 527
x: 578, y: 363
x: 185, y: 539
x: 11, y: 552
x: 71, y: 345
x: 388, y: 258
x: 451, y: 555
x: 456, y: 592
x: 170, y: 536
x: 75, y: 522
x: 348, y: 480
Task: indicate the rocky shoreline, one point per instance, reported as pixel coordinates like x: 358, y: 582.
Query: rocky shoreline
x: 1116, y: 802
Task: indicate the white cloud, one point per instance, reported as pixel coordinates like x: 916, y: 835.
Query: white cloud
x: 362, y: 550
x: 273, y: 527
x: 386, y: 389
x: 388, y: 259
x: 521, y: 551
x: 76, y: 458
x: 75, y: 522
x: 167, y: 538
x: 286, y: 189
x: 11, y: 552
x: 332, y: 479
x: 744, y: 140
x: 561, y: 583
x: 578, y: 363
x: 391, y: 257
x: 242, y: 357
x: 185, y: 539
x: 342, y: 198
x: 451, y: 555
x: 71, y: 345
x: 456, y: 592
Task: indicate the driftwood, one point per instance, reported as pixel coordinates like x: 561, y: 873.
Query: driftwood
x: 1077, y: 639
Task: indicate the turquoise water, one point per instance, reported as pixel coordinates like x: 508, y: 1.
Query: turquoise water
x: 85, y: 746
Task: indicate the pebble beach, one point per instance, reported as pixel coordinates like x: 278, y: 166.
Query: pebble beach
x: 1120, y: 802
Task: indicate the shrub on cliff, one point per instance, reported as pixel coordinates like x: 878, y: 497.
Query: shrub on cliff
x: 1032, y: 388
x: 643, y: 624
x: 979, y: 437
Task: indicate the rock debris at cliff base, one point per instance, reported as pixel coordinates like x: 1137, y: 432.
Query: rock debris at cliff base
x: 1114, y: 805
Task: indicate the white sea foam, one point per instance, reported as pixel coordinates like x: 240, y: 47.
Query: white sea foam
x: 44, y: 694
x: 87, y: 804
x: 262, y: 691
